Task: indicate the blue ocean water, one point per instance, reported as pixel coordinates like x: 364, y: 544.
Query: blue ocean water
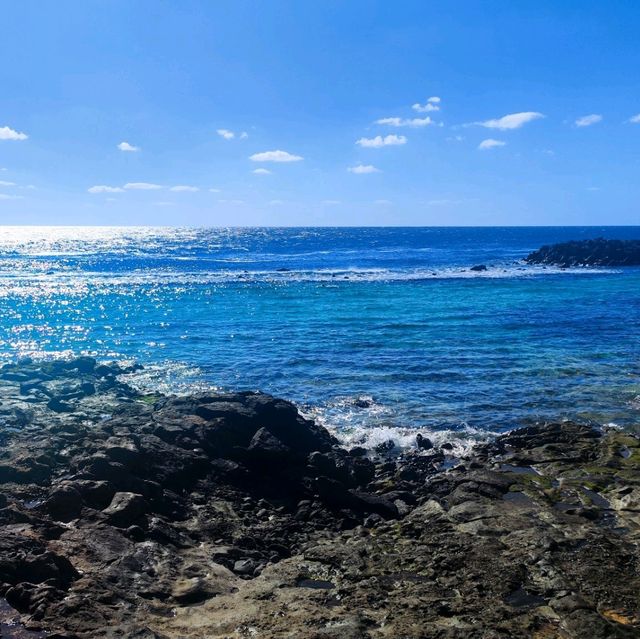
x: 374, y: 331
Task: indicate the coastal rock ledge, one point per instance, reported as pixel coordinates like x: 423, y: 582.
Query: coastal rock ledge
x: 132, y: 515
x: 597, y: 252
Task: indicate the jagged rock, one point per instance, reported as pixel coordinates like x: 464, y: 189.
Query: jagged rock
x: 126, y: 509
x: 597, y: 252
x: 119, y: 517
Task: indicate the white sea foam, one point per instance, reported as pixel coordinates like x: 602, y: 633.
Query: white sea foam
x: 361, y: 421
x: 27, y: 283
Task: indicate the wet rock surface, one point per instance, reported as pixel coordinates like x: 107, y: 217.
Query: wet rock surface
x: 231, y: 515
x: 596, y: 252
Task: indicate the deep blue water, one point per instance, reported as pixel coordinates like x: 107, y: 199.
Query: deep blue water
x: 327, y: 316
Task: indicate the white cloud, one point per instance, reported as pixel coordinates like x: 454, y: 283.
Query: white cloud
x: 361, y: 169
x: 214, y: 190
x: 164, y: 203
x: 331, y: 202
x: 383, y: 202
x: 125, y: 146
x: 425, y: 108
x: 184, y: 188
x: 101, y: 188
x: 9, y: 134
x: 5, y: 183
x: 635, y: 119
x: 4, y: 196
x: 232, y: 202
x: 490, y: 143
x: 379, y: 141
x: 593, y: 188
x: 141, y: 186
x: 432, y: 104
x: 511, y: 121
x: 275, y: 156
x: 411, y: 122
x: 230, y: 135
x: 276, y: 202
x: 588, y: 120
x: 261, y: 171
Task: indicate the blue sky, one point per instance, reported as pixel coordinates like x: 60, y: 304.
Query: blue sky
x: 331, y: 85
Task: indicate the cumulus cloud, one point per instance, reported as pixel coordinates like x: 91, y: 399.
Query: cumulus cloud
x: 102, y: 188
x: 6, y: 133
x: 125, y: 146
x: 331, y: 202
x: 379, y: 141
x: 4, y: 196
x: 244, y: 135
x: 261, y: 171
x: 588, y: 120
x: 410, y: 122
x: 361, y: 169
x: 5, y: 183
x: 490, y: 143
x: 141, y: 186
x: 511, y: 121
x: 383, y: 202
x: 635, y: 119
x: 275, y: 156
x: 184, y: 188
x: 214, y: 190
x: 432, y: 104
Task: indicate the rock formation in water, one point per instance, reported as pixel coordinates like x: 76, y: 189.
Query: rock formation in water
x: 597, y: 252
x: 125, y: 514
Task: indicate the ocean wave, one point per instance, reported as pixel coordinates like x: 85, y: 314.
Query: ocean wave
x: 22, y: 282
x: 362, y: 421
x: 354, y: 420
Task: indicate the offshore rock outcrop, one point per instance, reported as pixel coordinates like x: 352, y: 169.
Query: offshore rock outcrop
x: 596, y: 252
x: 230, y: 515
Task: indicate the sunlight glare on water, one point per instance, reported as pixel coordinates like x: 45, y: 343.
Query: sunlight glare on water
x: 327, y: 317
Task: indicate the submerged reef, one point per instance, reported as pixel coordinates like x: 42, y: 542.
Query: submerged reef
x: 597, y: 252
x: 133, y: 515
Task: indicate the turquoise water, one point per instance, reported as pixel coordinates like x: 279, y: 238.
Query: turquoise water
x: 375, y: 332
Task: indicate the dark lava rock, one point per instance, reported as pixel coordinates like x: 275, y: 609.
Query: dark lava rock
x: 597, y: 252
x: 64, y: 503
x: 118, y: 518
x: 126, y: 509
x: 423, y: 443
x: 478, y: 268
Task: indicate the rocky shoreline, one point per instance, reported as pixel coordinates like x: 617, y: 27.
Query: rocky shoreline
x: 124, y: 514
x: 596, y: 252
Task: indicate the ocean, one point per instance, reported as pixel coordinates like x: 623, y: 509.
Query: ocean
x: 376, y: 332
